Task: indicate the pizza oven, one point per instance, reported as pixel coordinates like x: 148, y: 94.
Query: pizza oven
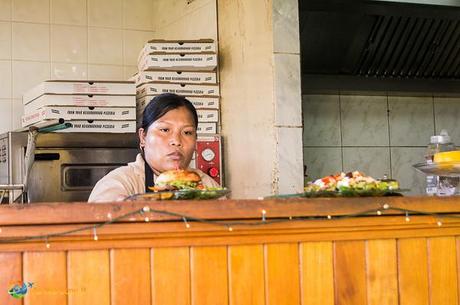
x: 66, y: 166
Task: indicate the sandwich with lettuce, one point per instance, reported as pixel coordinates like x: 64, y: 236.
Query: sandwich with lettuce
x: 179, y: 179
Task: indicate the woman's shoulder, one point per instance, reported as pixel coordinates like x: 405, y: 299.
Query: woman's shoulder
x: 119, y: 183
x: 133, y: 168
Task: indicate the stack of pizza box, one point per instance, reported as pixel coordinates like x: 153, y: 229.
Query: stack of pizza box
x: 86, y: 106
x: 186, y: 67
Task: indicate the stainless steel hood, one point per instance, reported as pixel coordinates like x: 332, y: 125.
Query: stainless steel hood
x: 392, y: 46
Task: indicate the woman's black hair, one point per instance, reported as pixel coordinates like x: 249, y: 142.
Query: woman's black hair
x: 163, y: 103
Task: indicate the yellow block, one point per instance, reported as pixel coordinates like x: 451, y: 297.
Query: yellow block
x: 447, y: 156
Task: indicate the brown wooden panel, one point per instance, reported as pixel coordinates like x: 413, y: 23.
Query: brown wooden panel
x: 317, y: 275
x: 283, y: 285
x: 10, y: 274
x: 246, y: 278
x: 130, y: 276
x: 48, y: 272
x: 382, y: 272
x: 413, y: 271
x: 457, y: 248
x: 88, y: 272
x: 209, y: 275
x: 443, y: 270
x: 171, y: 265
x: 60, y: 213
x: 174, y: 234
x: 350, y: 273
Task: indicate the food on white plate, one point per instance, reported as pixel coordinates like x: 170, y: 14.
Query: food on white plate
x: 179, y: 179
x: 183, y: 184
x: 350, y: 182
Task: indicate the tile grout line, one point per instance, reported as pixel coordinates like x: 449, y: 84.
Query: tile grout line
x: 434, y: 114
x: 11, y: 69
x: 389, y: 137
x: 87, y: 40
x: 50, y: 39
x: 341, y: 132
x: 123, y: 39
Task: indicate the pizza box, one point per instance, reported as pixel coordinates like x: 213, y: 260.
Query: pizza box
x: 203, y: 128
x: 178, y: 62
x: 208, y: 115
x: 78, y: 113
x: 178, y: 46
x: 80, y: 100
x: 100, y: 126
x: 204, y: 115
x: 206, y: 128
x: 80, y: 87
x: 183, y: 77
x: 156, y: 88
x: 208, y: 102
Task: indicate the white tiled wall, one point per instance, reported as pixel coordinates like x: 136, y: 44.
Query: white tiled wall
x: 287, y: 109
x: 191, y: 19
x: 374, y: 134
x: 85, y: 39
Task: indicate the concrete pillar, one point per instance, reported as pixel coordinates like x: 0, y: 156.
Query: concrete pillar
x: 260, y: 96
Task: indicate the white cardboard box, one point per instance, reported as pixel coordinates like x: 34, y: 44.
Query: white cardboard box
x: 101, y: 126
x: 80, y: 100
x: 204, y: 115
x: 203, y: 128
x: 206, y: 128
x: 186, y: 77
x: 178, y: 62
x: 80, y: 87
x: 207, y: 102
x: 79, y: 113
x: 157, y: 88
x: 178, y: 46
x: 200, y: 102
x: 208, y: 115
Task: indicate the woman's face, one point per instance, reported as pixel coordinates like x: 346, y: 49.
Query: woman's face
x: 170, y: 141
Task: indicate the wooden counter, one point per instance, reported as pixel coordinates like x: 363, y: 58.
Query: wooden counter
x: 233, y: 254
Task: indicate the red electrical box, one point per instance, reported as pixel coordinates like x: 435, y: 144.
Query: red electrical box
x: 208, y: 156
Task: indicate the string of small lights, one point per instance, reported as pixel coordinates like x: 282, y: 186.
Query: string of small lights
x: 229, y: 225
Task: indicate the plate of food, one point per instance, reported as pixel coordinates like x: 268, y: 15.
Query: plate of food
x: 181, y: 185
x: 351, y: 184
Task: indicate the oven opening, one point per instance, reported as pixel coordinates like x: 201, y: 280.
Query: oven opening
x: 83, y: 177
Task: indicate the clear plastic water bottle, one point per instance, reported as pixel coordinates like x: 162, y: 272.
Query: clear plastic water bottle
x: 440, y: 185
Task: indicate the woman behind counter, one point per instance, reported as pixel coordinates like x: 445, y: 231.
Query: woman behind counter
x: 167, y: 140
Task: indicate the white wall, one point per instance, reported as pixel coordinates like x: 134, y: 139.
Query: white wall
x: 378, y: 135
x: 85, y: 39
x: 261, y: 101
x: 287, y: 98
x: 100, y: 39
x: 187, y: 19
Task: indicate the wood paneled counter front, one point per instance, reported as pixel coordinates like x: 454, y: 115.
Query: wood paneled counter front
x: 299, y: 251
